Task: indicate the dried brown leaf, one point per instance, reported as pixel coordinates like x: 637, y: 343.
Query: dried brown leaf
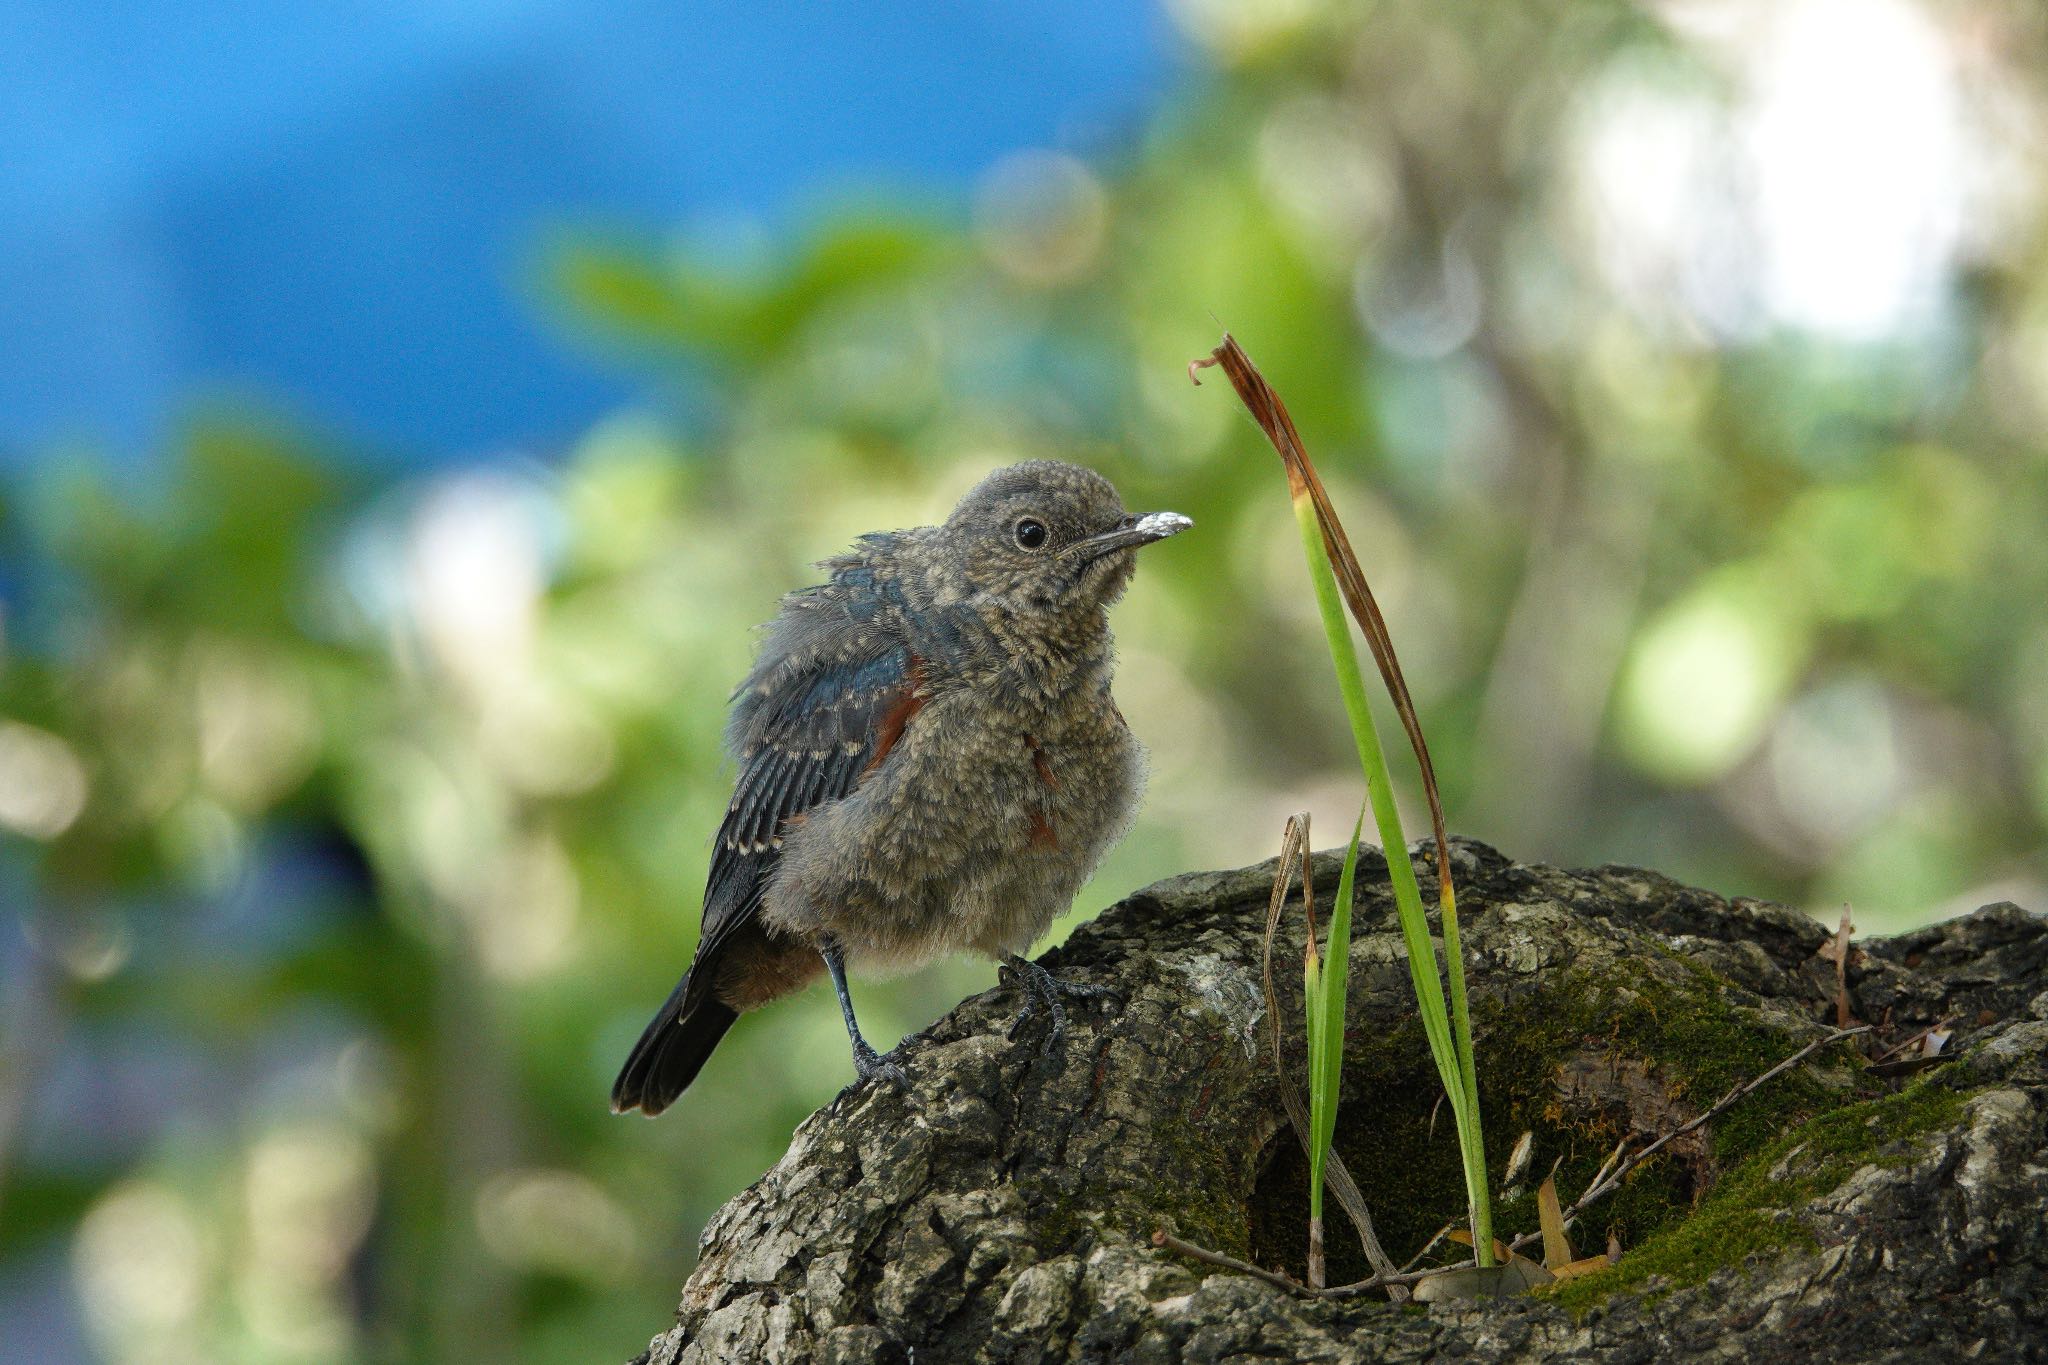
x: 1571, y: 1270
x: 1463, y: 1237
x: 1557, y: 1248
x: 1837, y: 950
x: 1271, y: 414
x: 1516, y: 1275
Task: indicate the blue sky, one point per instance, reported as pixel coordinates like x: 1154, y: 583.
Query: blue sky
x: 335, y: 207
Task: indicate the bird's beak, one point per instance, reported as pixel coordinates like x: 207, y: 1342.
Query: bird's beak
x: 1133, y: 532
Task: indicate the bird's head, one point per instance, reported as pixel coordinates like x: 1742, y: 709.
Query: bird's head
x: 1046, y: 537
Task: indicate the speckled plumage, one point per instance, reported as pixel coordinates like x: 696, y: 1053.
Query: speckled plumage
x: 930, y: 759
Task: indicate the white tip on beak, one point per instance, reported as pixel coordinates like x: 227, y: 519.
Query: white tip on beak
x: 1160, y: 525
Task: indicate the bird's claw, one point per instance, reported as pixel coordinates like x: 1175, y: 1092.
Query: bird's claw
x: 1042, y: 992
x: 873, y: 1065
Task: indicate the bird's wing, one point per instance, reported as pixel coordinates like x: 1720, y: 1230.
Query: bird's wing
x: 825, y: 704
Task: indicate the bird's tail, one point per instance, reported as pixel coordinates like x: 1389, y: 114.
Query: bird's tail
x: 670, y: 1052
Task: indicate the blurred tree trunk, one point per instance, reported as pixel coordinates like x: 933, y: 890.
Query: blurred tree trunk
x: 1003, y: 1209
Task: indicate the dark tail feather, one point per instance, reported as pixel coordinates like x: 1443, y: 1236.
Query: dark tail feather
x: 670, y: 1053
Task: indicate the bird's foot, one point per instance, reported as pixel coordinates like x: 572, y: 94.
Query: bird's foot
x: 873, y: 1065
x: 1042, y: 992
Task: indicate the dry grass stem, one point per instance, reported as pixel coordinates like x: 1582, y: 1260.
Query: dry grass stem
x: 1294, y: 851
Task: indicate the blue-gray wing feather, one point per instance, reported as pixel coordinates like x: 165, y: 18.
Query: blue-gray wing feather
x: 836, y: 683
x: 808, y: 723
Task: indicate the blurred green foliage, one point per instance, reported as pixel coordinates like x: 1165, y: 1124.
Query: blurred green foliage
x: 359, y: 825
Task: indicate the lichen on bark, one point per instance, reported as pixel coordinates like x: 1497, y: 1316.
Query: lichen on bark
x: 1001, y: 1210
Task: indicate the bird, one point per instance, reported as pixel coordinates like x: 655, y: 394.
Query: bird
x: 929, y: 761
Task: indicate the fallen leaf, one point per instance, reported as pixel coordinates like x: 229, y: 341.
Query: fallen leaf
x: 1557, y: 1248
x: 1518, y: 1276
x: 1463, y: 1237
x: 1571, y: 1270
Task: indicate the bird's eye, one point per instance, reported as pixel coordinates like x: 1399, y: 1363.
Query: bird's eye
x: 1030, y: 533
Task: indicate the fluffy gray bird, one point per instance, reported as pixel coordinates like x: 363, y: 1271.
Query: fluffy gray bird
x: 929, y: 762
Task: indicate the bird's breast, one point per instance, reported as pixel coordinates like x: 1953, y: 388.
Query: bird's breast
x: 976, y: 831
x: 979, y: 771
x: 1079, y: 780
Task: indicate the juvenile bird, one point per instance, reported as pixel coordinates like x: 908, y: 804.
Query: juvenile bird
x: 929, y: 761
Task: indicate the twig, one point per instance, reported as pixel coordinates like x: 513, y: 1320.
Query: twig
x: 1402, y: 1277
x: 1897, y: 1048
x: 1612, y: 1157
x: 1165, y: 1239
x: 1610, y: 1181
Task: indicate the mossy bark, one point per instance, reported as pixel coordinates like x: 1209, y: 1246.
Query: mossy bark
x: 1002, y: 1209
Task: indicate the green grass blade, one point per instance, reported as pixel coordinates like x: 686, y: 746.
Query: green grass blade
x: 1448, y: 1025
x: 1326, y: 1011
x: 1450, y: 1049
x: 1471, y: 1138
x: 1326, y: 979
x: 1318, y: 1097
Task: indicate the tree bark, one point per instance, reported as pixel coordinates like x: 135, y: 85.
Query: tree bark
x: 1003, y: 1208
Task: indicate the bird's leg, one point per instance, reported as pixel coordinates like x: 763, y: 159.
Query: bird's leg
x: 1042, y: 992
x: 866, y: 1060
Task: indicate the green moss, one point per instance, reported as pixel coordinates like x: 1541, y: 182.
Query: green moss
x: 1707, y: 1046
x: 1746, y: 1212
x: 1194, y: 1188
x: 1204, y: 1187
x: 1672, y: 1021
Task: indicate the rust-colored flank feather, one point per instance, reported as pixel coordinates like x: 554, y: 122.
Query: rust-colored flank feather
x: 889, y: 726
x: 1042, y: 833
x: 1038, y: 762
